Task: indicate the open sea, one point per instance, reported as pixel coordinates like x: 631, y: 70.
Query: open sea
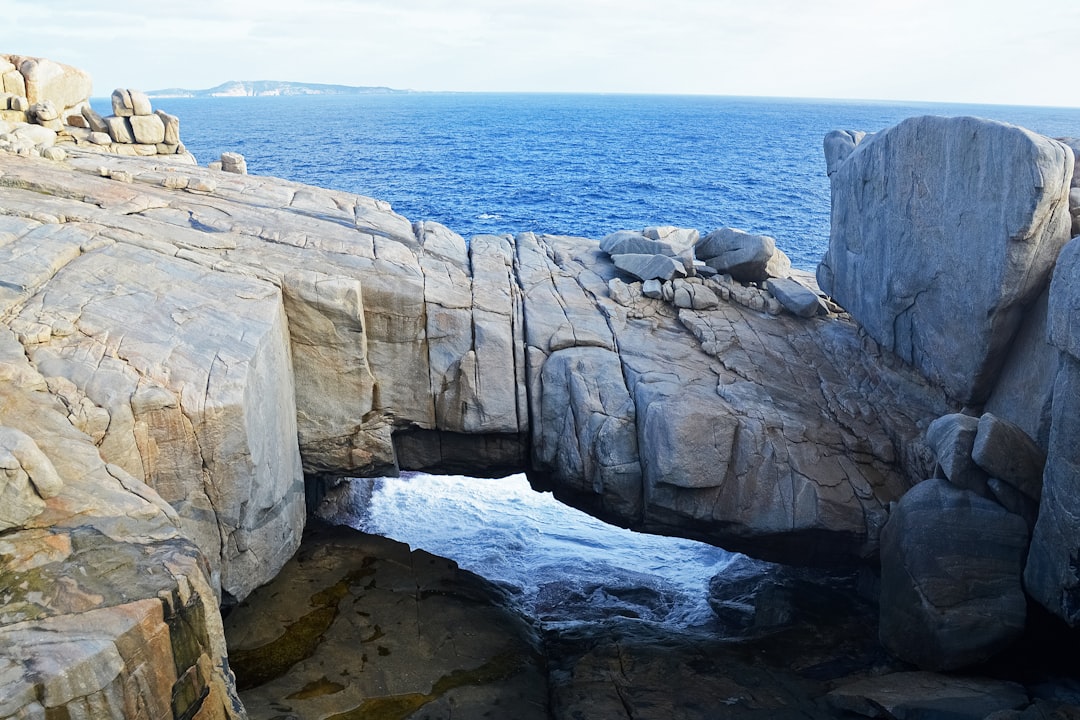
x: 567, y: 164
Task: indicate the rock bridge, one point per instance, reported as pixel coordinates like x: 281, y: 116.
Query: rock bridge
x: 222, y: 336
x: 184, y: 351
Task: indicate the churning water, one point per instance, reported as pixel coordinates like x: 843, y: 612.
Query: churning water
x: 561, y: 564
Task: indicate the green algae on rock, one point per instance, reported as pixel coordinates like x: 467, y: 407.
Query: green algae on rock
x: 400, y: 631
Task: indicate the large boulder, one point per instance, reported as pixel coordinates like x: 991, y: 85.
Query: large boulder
x: 1024, y: 392
x: 198, y: 388
x: 920, y: 209
x: 952, y: 438
x: 650, y: 267
x: 950, y: 577
x: 796, y: 297
x: 744, y: 256
x: 64, y: 85
x: 1006, y: 452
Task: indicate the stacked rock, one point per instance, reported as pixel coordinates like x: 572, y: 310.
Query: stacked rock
x: 135, y: 123
x: 54, y: 99
x: 681, y: 267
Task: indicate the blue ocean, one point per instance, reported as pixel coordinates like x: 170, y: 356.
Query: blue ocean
x: 568, y: 164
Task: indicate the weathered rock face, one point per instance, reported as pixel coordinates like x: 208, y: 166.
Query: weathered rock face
x: 742, y: 255
x: 1052, y: 575
x: 821, y: 492
x: 918, y: 210
x: 207, y: 338
x: 108, y: 610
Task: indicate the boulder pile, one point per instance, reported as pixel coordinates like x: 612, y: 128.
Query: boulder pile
x: 45, y: 106
x: 680, y: 267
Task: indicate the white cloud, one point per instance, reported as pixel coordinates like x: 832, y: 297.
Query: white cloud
x: 959, y: 50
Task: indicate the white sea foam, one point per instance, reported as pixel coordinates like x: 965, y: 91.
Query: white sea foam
x: 564, y: 565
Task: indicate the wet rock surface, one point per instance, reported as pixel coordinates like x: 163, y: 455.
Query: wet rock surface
x: 357, y: 626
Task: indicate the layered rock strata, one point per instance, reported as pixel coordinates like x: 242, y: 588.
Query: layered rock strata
x: 945, y: 236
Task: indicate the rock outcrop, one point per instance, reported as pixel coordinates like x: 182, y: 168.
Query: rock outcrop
x: 951, y: 563
x: 1052, y: 575
x: 45, y: 107
x: 945, y: 234
x: 107, y: 606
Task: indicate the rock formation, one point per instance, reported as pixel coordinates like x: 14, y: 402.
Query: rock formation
x: 945, y: 235
x: 187, y: 348
x: 45, y: 106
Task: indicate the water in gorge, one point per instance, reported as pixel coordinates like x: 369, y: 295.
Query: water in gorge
x: 561, y: 565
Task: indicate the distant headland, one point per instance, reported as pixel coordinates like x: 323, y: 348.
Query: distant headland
x: 261, y: 88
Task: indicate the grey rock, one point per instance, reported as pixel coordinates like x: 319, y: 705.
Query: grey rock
x: 140, y: 103
x: 121, y: 103
x: 650, y: 267
x: 693, y: 296
x: 232, y: 162
x: 43, y: 112
x: 796, y: 297
x: 951, y: 563
x: 629, y: 242
x: 1024, y: 392
x: 45, y: 79
x: 990, y: 200
x: 952, y: 438
x: 1052, y: 575
x: 588, y: 440
x: 1007, y: 453
x: 744, y: 256
x: 119, y: 129
x: 680, y: 240
x: 147, y: 129
x: 838, y: 145
x: 94, y: 121
x: 653, y: 289
x: 927, y: 696
x: 1016, y: 502
x: 172, y: 127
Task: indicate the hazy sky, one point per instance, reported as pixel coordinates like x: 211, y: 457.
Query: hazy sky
x: 993, y: 51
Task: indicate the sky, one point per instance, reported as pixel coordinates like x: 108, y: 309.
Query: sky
x: 980, y: 51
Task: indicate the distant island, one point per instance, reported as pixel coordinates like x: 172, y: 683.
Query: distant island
x: 258, y: 88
